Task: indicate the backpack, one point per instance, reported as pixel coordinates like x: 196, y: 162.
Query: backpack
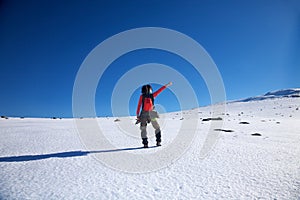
x: 147, y: 96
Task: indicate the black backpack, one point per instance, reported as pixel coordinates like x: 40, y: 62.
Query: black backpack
x: 145, y: 93
x: 147, y: 96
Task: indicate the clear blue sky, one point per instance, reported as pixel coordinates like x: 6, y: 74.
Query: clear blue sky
x: 254, y: 43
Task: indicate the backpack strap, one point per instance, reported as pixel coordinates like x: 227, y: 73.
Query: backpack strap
x: 143, y: 100
x: 152, y: 98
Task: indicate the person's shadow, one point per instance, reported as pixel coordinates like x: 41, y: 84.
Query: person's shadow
x: 25, y: 158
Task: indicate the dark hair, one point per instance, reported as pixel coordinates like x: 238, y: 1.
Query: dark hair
x: 146, y: 89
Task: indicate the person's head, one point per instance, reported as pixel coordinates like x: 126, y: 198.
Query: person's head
x: 147, y: 89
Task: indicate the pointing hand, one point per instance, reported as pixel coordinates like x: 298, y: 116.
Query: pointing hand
x: 169, y: 84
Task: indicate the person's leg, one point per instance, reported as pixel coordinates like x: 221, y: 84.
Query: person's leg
x: 157, y: 131
x: 144, y: 130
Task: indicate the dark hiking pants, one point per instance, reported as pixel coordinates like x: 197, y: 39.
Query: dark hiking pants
x: 149, y: 117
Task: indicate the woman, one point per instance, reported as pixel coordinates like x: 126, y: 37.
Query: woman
x: 148, y: 114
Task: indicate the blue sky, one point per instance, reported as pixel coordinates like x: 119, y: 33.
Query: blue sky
x: 255, y: 45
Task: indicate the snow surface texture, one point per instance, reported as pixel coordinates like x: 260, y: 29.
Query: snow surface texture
x: 45, y: 159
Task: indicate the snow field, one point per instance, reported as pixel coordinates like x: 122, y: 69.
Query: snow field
x: 45, y: 159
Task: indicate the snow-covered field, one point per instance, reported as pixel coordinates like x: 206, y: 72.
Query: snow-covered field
x: 45, y: 158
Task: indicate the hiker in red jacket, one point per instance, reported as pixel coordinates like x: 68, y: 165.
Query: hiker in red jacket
x: 148, y: 114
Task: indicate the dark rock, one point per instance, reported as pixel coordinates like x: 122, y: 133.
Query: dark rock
x: 209, y: 119
x: 293, y: 95
x: 256, y: 134
x: 244, y: 123
x: 224, y: 130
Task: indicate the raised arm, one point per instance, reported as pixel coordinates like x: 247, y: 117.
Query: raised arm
x: 168, y: 84
x: 161, y: 89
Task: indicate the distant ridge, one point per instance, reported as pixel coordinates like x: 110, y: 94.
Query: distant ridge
x: 291, y: 93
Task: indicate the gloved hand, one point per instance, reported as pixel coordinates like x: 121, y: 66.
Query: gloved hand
x: 137, y: 120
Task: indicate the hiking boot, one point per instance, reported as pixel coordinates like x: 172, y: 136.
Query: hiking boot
x: 145, y: 142
x: 158, y: 139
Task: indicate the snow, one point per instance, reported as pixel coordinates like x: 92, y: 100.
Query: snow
x: 46, y: 159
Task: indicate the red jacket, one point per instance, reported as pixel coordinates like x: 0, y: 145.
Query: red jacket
x: 148, y: 104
